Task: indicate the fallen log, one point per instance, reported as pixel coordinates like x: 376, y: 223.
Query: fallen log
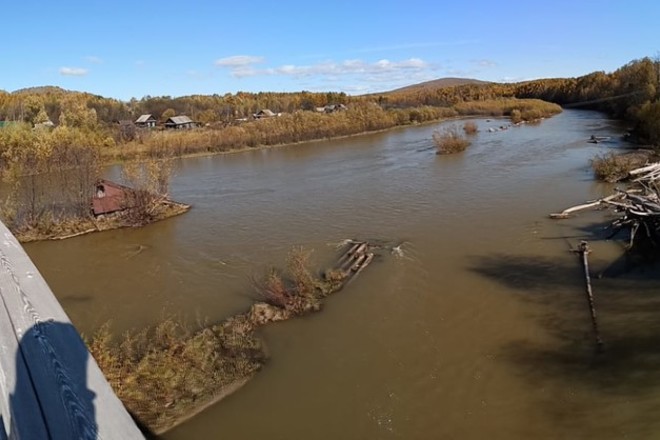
x: 566, y: 212
x: 584, y: 251
x: 650, y: 167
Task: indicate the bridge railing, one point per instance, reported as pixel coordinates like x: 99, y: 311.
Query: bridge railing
x: 51, y: 386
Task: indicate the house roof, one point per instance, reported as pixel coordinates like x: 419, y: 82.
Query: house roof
x: 266, y: 112
x: 178, y: 120
x: 144, y: 118
x: 112, y: 200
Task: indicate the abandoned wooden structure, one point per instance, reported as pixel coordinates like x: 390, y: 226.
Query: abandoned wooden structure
x: 109, y: 197
x: 180, y: 123
x: 146, y: 121
x: 265, y: 113
x: 331, y: 108
x: 51, y: 386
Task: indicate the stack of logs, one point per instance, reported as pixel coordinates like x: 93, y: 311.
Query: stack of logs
x: 640, y: 206
x: 354, y: 260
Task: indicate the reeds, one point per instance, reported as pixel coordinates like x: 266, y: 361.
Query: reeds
x: 450, y: 141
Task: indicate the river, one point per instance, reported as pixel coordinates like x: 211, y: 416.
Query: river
x: 478, y: 330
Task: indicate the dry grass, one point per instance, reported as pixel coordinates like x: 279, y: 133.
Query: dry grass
x: 449, y: 141
x: 612, y: 167
x: 164, y: 373
x: 289, y: 128
x: 297, y: 290
x: 523, y: 109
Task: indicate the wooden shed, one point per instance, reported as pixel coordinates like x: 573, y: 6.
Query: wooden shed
x: 265, y: 113
x: 180, y: 123
x: 109, y: 197
x: 147, y: 121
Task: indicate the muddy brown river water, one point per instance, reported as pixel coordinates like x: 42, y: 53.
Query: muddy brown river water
x: 478, y: 329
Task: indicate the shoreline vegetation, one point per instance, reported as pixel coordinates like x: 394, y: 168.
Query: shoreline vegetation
x: 616, y: 167
x: 167, y: 374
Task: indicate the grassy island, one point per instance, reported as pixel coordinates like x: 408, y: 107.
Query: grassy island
x: 169, y: 373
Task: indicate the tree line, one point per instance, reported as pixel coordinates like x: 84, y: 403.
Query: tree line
x: 630, y: 92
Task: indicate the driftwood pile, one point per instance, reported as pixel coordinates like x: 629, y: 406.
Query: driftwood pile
x: 640, y: 206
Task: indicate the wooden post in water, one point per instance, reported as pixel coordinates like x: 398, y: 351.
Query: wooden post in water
x: 584, y: 251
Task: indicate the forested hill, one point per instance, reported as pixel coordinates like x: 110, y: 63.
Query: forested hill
x: 42, y: 90
x: 439, y: 83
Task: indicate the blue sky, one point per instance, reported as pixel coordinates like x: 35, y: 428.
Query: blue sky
x: 127, y: 49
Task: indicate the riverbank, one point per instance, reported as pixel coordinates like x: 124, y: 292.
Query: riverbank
x: 301, y: 127
x: 75, y: 227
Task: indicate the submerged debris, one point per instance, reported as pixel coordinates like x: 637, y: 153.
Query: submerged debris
x: 584, y: 251
x: 640, y: 206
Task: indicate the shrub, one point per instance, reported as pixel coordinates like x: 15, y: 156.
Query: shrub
x: 449, y: 141
x: 470, y: 127
x: 615, y: 167
x: 516, y: 116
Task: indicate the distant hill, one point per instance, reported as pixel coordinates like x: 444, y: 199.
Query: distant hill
x: 41, y: 90
x: 438, y: 84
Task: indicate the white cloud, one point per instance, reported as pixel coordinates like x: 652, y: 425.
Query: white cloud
x: 93, y: 59
x: 484, y: 63
x: 515, y: 79
x: 349, y: 67
x: 73, y: 71
x: 360, y: 74
x: 240, y: 66
x: 238, y: 61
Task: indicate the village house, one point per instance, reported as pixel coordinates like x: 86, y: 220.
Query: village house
x: 146, y: 121
x: 46, y: 125
x: 180, y: 123
x: 265, y: 113
x: 331, y: 108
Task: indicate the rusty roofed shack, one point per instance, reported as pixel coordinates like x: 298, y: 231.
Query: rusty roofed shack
x: 109, y: 197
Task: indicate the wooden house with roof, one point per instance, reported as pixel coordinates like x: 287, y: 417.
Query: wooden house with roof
x: 331, y: 108
x: 146, y: 121
x: 265, y: 113
x: 180, y: 123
